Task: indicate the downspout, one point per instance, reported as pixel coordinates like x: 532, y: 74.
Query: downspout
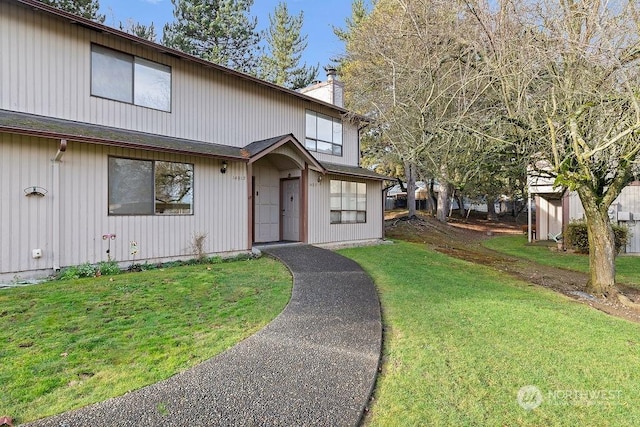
x: 384, y: 205
x: 55, y: 205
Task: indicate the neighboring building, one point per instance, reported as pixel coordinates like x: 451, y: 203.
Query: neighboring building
x: 103, y: 133
x: 557, y: 207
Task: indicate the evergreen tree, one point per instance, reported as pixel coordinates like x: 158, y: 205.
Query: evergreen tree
x: 358, y: 14
x: 281, y: 64
x: 84, y: 8
x: 220, y: 31
x: 139, y: 30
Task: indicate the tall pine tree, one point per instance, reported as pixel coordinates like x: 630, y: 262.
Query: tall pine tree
x: 147, y: 32
x: 358, y: 14
x: 84, y: 8
x: 281, y: 63
x: 220, y: 31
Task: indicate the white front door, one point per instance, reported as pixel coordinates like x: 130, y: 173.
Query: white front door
x: 290, y: 209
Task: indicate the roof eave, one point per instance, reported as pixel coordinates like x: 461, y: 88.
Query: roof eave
x: 113, y: 143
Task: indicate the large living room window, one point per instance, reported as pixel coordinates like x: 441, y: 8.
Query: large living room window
x: 323, y: 134
x: 146, y: 187
x: 127, y: 78
x: 348, y: 202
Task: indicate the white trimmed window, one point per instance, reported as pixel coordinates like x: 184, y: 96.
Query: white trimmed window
x: 323, y: 133
x: 146, y: 187
x: 127, y: 78
x: 348, y: 202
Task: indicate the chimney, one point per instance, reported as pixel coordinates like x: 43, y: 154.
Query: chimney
x: 330, y: 91
x: 331, y: 74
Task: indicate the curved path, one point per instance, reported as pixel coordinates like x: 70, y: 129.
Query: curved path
x: 314, y: 364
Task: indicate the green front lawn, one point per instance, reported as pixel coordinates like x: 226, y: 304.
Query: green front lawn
x: 627, y: 267
x: 461, y: 340
x: 66, y: 344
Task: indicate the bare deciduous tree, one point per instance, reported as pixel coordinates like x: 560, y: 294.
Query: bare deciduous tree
x: 409, y: 70
x: 570, y: 86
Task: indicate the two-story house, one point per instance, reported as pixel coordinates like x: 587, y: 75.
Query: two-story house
x: 109, y: 142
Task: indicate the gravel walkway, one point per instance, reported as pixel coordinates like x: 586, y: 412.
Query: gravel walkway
x: 314, y: 365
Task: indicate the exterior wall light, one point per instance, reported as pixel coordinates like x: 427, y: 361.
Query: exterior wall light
x: 223, y: 169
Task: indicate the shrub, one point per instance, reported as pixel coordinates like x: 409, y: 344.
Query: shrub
x: 69, y: 273
x: 109, y: 268
x: 87, y: 270
x: 576, y: 236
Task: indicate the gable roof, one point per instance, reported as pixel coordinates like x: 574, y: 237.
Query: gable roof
x: 77, y: 20
x: 259, y: 149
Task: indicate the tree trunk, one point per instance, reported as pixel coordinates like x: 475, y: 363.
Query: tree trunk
x: 491, y: 208
x: 602, y: 249
x: 409, y: 169
x: 444, y: 202
x: 460, y: 199
x: 433, y: 199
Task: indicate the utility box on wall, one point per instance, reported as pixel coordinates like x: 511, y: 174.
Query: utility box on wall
x: 624, y: 216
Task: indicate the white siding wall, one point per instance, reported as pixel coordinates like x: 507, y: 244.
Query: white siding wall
x: 220, y: 207
x: 548, y: 217
x: 45, y: 70
x: 576, y: 211
x: 320, y: 228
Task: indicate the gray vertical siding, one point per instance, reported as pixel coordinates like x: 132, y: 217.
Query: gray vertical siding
x: 25, y: 222
x: 46, y: 68
x: 267, y: 202
x: 220, y: 207
x: 627, y: 201
x: 320, y: 228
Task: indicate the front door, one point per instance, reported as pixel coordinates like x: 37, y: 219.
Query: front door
x: 290, y: 209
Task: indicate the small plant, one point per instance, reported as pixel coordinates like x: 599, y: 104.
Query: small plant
x: 162, y: 409
x: 87, y: 270
x: 136, y: 268
x: 69, y: 273
x: 108, y: 268
x: 197, y: 245
x: 576, y: 236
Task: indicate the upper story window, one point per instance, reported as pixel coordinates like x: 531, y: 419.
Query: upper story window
x: 323, y: 134
x: 127, y: 78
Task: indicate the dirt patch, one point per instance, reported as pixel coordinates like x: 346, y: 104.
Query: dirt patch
x: 462, y: 238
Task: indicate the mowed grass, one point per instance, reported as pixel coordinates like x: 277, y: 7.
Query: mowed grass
x: 627, y: 267
x: 66, y: 344
x: 461, y: 340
